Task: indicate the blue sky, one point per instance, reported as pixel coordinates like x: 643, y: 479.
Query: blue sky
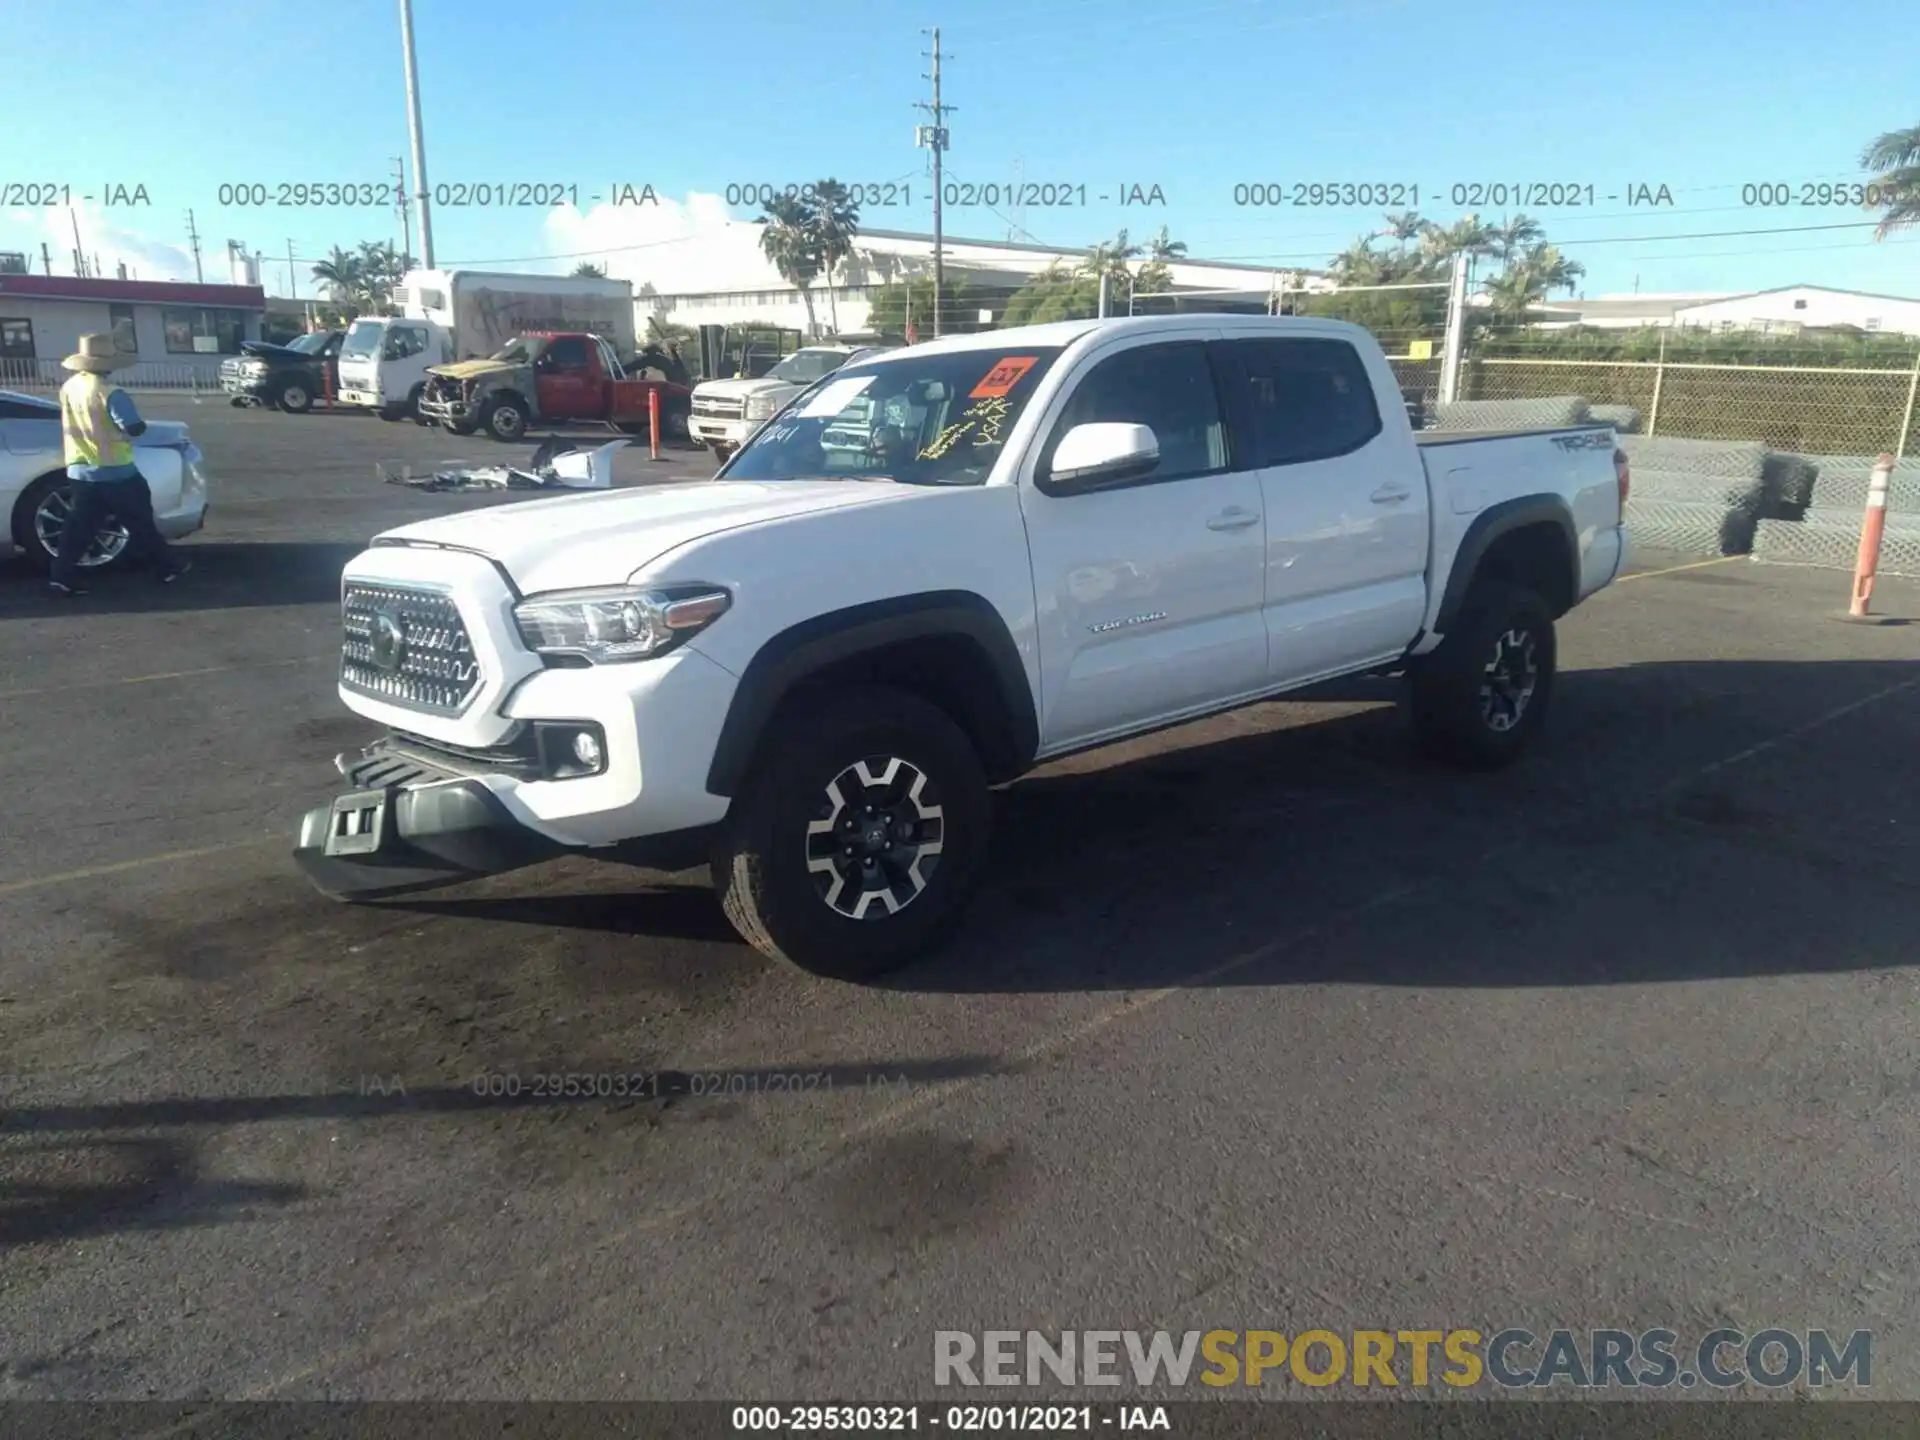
x: 1700, y: 96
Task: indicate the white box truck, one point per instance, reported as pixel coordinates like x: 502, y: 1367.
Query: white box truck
x: 449, y: 315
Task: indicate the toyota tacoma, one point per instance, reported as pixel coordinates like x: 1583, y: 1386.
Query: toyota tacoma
x: 810, y: 670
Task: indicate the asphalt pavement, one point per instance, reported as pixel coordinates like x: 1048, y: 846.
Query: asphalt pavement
x: 1259, y: 1023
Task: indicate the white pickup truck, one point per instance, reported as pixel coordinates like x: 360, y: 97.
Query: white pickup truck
x: 809, y: 670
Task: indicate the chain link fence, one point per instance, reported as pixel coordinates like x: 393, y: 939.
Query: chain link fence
x: 1796, y: 408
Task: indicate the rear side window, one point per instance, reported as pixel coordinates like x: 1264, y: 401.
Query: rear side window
x: 1301, y: 400
x: 567, y: 354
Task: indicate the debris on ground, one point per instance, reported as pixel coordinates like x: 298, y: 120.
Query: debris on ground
x: 557, y: 465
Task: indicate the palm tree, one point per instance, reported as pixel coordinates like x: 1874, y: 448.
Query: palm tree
x: 341, y: 274
x: 381, y: 270
x: 1164, y: 249
x: 836, y: 221
x: 1516, y: 237
x: 791, y: 243
x: 1404, y: 226
x: 1896, y: 155
x: 587, y: 270
x: 1357, y: 264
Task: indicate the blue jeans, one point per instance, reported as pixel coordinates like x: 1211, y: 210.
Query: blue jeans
x: 97, y: 501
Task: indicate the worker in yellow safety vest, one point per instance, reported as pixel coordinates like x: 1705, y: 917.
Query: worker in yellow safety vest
x: 98, y: 424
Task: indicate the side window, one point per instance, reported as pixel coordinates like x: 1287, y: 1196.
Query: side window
x: 1169, y: 389
x: 567, y: 354
x: 1302, y: 399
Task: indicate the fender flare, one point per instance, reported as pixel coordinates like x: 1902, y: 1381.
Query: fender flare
x: 802, y: 651
x: 1487, y: 527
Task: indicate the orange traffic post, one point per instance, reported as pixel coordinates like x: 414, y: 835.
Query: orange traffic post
x: 1873, y: 529
x: 653, y: 423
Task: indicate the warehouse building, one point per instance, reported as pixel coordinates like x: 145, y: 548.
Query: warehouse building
x: 986, y: 272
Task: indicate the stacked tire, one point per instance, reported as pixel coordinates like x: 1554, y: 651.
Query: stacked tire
x: 1827, y: 534
x: 1624, y: 418
x: 1698, y: 497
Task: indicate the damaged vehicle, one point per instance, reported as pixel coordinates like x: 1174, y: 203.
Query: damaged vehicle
x: 545, y: 379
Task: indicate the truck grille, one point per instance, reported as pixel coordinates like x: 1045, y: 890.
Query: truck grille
x: 719, y: 409
x: 407, y: 647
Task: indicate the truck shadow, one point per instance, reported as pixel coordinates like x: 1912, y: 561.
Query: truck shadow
x: 1638, y: 843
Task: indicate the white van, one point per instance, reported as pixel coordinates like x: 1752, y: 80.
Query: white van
x: 384, y: 360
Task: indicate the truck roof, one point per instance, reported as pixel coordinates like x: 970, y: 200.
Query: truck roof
x: 1062, y: 333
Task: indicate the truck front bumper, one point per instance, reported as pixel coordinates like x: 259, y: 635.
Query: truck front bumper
x: 711, y: 430
x: 370, y: 843
x: 446, y: 411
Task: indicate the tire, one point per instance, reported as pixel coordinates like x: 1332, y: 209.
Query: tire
x: 295, y: 398
x: 461, y: 427
x: 239, y: 402
x: 783, y: 887
x: 1465, y: 714
x: 673, y: 426
x: 505, y: 418
x: 29, y: 528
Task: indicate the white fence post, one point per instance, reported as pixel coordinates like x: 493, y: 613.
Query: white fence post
x: 1906, y: 420
x: 1456, y: 332
x: 1659, y: 374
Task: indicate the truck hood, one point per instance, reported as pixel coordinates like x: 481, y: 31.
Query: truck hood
x: 281, y: 354
x: 474, y: 369
x: 740, y: 389
x: 575, y: 541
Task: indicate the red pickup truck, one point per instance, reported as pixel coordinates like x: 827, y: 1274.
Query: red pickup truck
x: 548, y: 378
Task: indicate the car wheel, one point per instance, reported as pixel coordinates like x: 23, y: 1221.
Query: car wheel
x: 41, y: 517
x: 412, y: 411
x: 461, y: 427
x: 1480, y: 698
x: 859, y: 837
x: 295, y: 398
x: 505, y: 418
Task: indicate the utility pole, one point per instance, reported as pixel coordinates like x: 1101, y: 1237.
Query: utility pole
x: 1450, y: 355
x: 413, y: 126
x: 934, y: 137
x: 293, y: 286
x: 79, y: 255
x: 46, y: 258
x: 400, y: 204
x: 193, y: 239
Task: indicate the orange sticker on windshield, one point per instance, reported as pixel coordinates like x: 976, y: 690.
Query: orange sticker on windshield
x: 1003, y: 377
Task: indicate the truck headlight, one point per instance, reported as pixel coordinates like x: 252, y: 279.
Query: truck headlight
x: 763, y: 407
x: 618, y: 624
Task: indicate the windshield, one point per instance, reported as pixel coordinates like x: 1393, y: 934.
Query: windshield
x: 803, y: 367
x: 937, y: 419
x: 521, y: 351
x: 311, y: 344
x: 363, y: 338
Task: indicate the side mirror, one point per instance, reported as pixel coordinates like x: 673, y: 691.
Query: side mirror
x: 1103, y: 453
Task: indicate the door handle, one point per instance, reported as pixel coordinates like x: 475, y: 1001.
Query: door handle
x: 1390, y: 494
x: 1236, y: 518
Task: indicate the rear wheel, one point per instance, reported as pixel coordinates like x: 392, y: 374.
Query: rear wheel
x: 859, y: 837
x: 1480, y: 698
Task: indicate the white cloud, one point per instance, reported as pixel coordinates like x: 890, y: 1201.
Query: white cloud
x: 114, y: 244
x: 675, y: 246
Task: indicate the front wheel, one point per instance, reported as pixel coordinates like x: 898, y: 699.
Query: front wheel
x: 1481, y: 697
x: 505, y: 418
x: 859, y: 837
x: 295, y: 397
x: 41, y: 517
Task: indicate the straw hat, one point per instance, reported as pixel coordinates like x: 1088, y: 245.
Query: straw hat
x: 97, y: 353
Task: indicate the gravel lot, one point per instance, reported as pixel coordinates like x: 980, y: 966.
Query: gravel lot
x: 1261, y: 1023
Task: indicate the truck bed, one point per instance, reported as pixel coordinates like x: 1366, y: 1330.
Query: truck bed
x: 1454, y: 437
